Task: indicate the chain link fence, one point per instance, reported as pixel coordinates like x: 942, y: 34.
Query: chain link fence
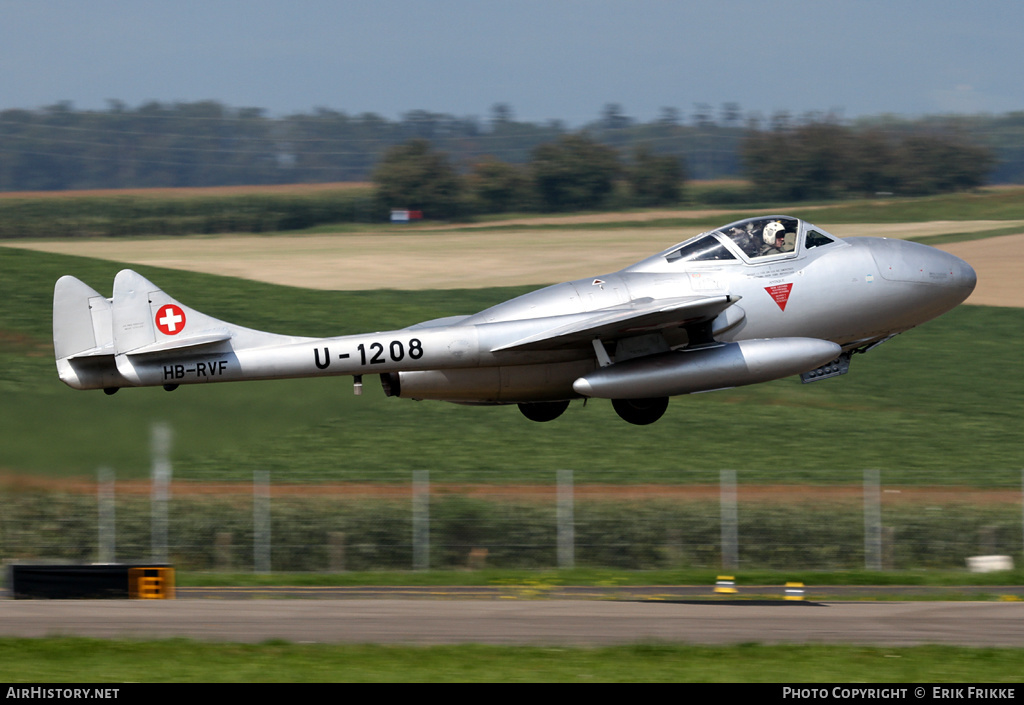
x: 268, y: 525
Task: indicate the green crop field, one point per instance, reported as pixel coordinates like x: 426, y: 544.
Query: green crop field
x: 941, y: 404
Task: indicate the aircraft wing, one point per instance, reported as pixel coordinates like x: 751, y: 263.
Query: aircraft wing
x: 636, y: 318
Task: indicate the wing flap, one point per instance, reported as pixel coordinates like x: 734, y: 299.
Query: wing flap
x: 637, y: 318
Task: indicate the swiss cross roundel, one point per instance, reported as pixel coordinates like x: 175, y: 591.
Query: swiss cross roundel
x: 170, y: 319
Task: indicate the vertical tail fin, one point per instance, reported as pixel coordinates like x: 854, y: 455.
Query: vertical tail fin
x: 81, y: 320
x: 147, y: 320
x: 83, y: 337
x: 106, y: 344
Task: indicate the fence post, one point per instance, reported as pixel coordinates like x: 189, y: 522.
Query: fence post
x: 261, y: 521
x: 222, y: 551
x: 872, y: 520
x: 566, y: 521
x: 421, y: 519
x: 160, y: 446
x: 336, y: 551
x: 730, y: 520
x: 105, y: 504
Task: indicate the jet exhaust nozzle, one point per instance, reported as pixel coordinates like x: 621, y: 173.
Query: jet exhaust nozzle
x: 707, y: 368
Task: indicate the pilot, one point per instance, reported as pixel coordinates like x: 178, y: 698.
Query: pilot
x: 774, y: 236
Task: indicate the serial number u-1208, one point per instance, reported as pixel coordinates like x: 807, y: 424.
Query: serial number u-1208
x: 396, y: 350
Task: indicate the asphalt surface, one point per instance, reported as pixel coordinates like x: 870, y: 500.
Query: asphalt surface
x: 435, y: 616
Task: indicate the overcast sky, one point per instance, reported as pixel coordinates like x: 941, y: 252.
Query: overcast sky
x: 548, y: 59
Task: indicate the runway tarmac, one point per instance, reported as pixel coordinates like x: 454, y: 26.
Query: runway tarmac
x: 516, y: 621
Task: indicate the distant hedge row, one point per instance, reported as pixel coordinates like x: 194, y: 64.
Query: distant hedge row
x: 131, y: 215
x: 317, y: 534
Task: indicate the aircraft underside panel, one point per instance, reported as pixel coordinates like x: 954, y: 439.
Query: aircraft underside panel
x: 506, y: 384
x: 707, y: 368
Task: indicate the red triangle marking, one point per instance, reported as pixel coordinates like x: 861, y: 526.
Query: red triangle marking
x: 780, y: 294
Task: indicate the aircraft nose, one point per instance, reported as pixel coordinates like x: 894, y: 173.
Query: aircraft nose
x: 961, y: 280
x: 967, y: 278
x: 903, y: 261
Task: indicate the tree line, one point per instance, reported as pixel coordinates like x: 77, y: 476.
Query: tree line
x: 574, y: 172
x: 501, y: 163
x: 815, y: 160
x: 823, y: 159
x: 209, y: 144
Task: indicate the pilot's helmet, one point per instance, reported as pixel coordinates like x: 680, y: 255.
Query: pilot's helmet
x: 772, y: 231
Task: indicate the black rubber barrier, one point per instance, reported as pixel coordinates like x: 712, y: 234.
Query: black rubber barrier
x: 80, y: 582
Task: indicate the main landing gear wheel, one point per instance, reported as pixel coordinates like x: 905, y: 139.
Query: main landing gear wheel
x: 640, y: 411
x: 544, y: 410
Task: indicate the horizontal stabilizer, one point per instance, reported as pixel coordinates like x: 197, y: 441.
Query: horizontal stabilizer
x: 193, y: 341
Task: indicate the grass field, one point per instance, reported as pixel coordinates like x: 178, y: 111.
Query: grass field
x: 938, y: 405
x: 116, y: 661
x: 451, y: 259
x: 539, y: 583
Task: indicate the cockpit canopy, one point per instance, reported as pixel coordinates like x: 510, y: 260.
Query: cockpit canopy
x: 753, y: 239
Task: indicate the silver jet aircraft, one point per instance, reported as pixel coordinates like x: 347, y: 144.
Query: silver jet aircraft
x: 752, y: 301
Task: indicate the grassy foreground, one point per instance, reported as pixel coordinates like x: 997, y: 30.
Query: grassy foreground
x: 110, y: 661
x: 542, y: 581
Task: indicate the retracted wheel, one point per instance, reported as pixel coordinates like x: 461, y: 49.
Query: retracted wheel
x: 544, y: 410
x: 640, y: 411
